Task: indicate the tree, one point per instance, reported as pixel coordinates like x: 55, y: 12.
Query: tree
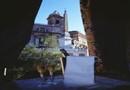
x: 50, y: 41
x: 28, y: 51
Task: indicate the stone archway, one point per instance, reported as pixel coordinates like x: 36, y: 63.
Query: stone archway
x: 105, y: 26
x: 86, y: 17
x: 16, y: 21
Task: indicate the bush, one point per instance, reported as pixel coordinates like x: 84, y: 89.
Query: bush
x: 18, y: 71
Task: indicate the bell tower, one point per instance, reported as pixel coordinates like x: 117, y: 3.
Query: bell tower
x: 55, y: 19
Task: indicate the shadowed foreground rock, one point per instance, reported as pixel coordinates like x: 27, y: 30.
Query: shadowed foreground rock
x: 16, y: 22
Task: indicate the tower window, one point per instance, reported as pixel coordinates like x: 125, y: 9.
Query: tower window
x: 57, y: 22
x: 50, y: 22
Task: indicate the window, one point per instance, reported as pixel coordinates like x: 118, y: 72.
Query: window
x: 57, y: 22
x: 37, y: 29
x: 46, y: 30
x: 40, y: 41
x: 42, y: 29
x: 81, y: 54
x: 71, y: 54
x: 50, y: 22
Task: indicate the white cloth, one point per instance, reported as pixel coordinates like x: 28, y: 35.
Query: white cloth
x: 79, y: 71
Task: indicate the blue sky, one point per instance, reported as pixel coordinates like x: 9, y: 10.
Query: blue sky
x: 71, y: 6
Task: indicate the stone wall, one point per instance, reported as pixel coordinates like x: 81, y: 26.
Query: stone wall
x: 105, y: 23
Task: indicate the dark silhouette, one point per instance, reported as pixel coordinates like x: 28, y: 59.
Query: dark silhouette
x: 16, y: 22
x: 110, y: 27
x: 110, y: 20
x: 64, y: 52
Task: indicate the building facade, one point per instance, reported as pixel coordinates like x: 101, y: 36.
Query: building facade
x: 78, y: 39
x: 71, y: 41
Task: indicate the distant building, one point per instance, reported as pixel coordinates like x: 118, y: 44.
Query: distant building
x: 58, y: 25
x: 78, y: 39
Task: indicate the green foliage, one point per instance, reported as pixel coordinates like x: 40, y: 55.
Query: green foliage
x: 20, y: 69
x: 31, y: 56
x: 49, y: 57
x: 16, y: 72
x: 28, y: 51
x: 50, y: 41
